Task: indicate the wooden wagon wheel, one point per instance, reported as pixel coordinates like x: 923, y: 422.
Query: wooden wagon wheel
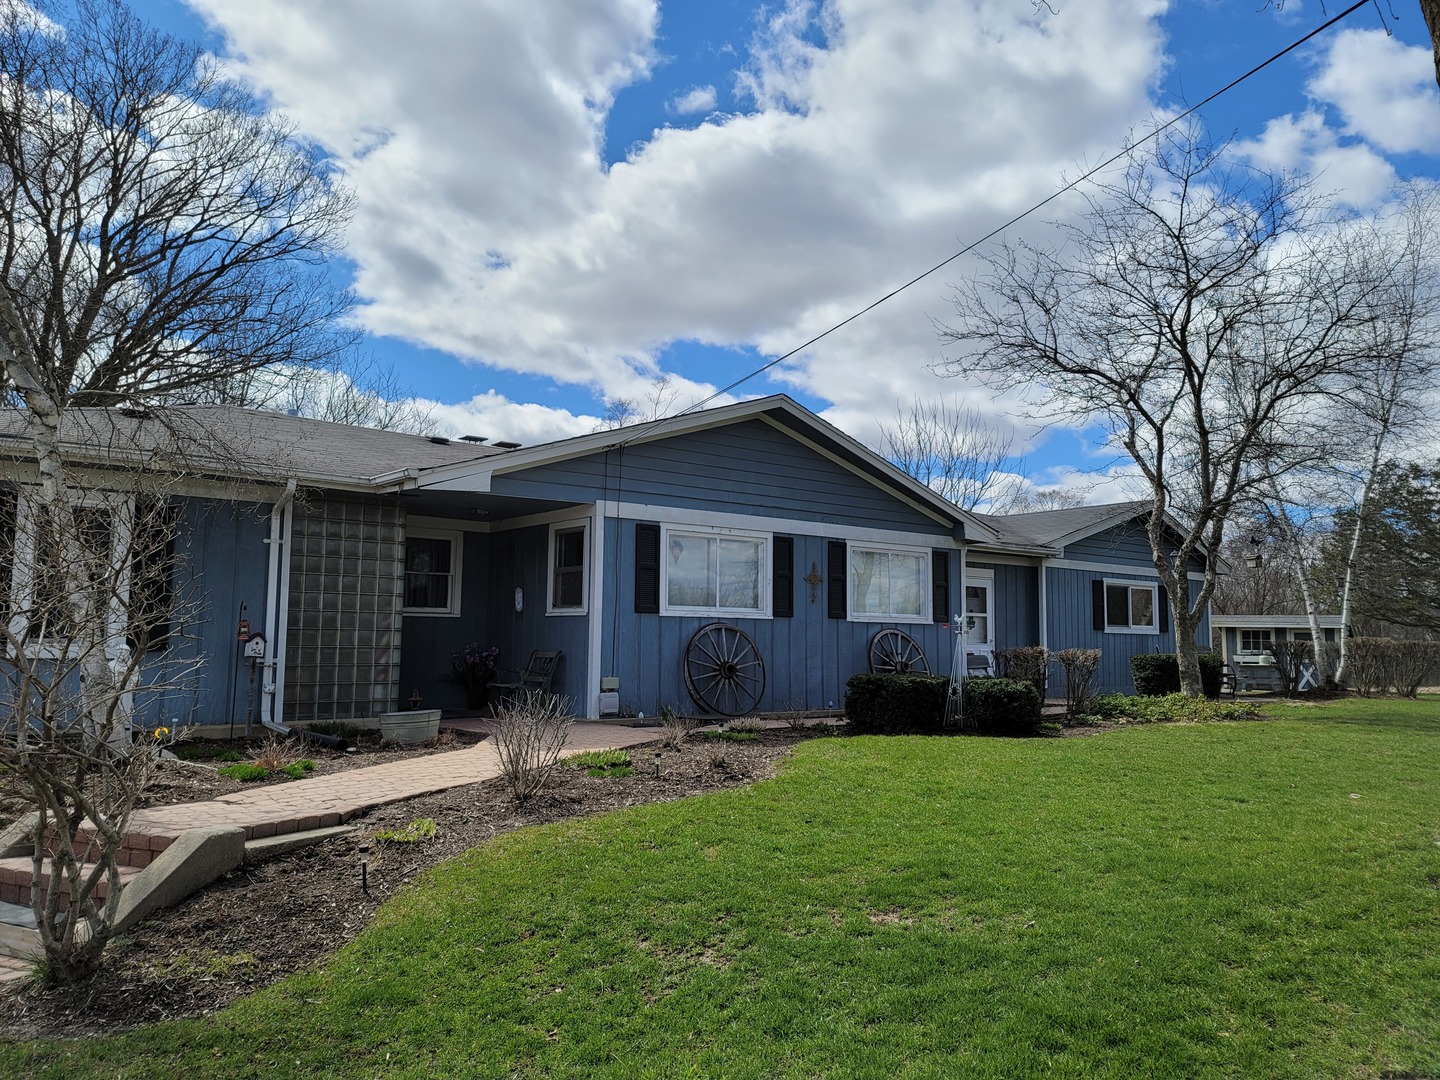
x: 723, y: 670
x: 894, y: 652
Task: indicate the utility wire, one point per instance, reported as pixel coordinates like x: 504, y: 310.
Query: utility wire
x: 1018, y: 217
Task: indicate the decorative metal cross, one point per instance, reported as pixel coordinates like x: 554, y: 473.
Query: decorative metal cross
x: 814, y: 580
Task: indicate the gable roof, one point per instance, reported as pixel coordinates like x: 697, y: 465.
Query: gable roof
x: 1056, y: 528
x: 778, y: 410
x: 229, y: 441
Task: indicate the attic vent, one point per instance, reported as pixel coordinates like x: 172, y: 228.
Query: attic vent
x: 135, y: 412
x: 507, y: 445
x: 473, y: 438
x: 439, y: 440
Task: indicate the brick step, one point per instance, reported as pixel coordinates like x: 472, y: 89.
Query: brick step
x: 138, y: 849
x: 16, y: 871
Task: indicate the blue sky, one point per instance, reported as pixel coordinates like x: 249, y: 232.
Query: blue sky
x: 560, y: 204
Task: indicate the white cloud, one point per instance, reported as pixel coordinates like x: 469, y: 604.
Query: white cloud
x: 884, y: 134
x: 1384, y: 90
x: 1305, y: 144
x: 701, y: 99
x: 498, y: 419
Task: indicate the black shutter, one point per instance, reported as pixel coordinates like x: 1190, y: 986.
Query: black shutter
x: 940, y: 586
x: 835, y: 558
x: 784, y: 577
x: 1164, y: 599
x: 152, y: 571
x: 647, y: 569
x: 1097, y: 603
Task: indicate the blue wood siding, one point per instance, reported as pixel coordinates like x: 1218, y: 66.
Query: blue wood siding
x: 808, y: 658
x: 494, y: 565
x: 426, y: 641
x: 1015, y: 607
x: 747, y: 468
x: 222, y: 564
x: 1071, y: 625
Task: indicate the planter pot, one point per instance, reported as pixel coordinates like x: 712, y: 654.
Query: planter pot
x: 410, y: 727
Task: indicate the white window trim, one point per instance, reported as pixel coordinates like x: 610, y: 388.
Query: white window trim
x: 25, y: 560
x: 927, y: 587
x: 1269, y: 638
x: 767, y: 588
x: 457, y: 560
x: 583, y: 608
x: 1130, y: 583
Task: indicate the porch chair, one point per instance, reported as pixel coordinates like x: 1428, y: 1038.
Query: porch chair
x: 538, y: 674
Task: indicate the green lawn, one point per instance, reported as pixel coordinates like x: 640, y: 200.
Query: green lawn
x: 1236, y: 900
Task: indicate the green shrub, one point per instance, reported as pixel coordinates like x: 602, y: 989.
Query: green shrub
x: 244, y: 772
x: 895, y: 704
x: 1155, y: 674
x: 296, y: 770
x: 1171, y: 708
x: 1001, y: 706
x: 1158, y: 674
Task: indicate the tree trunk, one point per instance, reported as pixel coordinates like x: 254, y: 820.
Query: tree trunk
x: 1352, y: 557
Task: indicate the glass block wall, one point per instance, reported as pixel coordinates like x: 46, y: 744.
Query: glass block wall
x: 342, y: 655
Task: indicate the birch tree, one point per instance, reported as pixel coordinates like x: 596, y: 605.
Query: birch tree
x: 1199, y: 309
x: 160, y: 234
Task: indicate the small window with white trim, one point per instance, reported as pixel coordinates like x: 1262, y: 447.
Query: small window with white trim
x: 720, y: 572
x: 568, y: 546
x: 1254, y: 640
x: 889, y: 584
x: 1130, y: 608
x: 432, y: 573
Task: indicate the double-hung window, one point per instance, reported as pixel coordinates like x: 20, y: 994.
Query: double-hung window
x: 889, y: 584
x: 567, y: 568
x: 432, y: 573
x: 1131, y: 608
x: 715, y: 572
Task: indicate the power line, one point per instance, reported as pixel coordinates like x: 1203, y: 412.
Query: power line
x: 1020, y: 216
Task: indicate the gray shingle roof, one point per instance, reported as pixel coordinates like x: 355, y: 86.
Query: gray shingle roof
x: 251, y: 443
x: 1047, y: 526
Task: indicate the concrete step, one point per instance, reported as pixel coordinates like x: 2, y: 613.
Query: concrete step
x: 267, y: 847
x: 13, y: 968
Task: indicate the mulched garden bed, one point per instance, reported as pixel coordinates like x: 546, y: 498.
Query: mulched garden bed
x: 261, y: 923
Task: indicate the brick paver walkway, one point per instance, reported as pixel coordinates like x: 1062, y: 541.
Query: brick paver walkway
x: 322, y: 801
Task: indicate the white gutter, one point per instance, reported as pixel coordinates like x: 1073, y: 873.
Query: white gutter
x: 277, y: 582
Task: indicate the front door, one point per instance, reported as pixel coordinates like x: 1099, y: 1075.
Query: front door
x: 980, y: 616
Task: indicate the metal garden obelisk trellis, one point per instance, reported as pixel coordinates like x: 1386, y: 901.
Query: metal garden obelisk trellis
x: 954, y: 695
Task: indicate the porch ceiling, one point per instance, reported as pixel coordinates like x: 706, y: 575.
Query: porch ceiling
x: 473, y: 506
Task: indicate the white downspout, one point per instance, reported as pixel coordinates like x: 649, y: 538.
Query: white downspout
x: 1044, y: 641
x: 277, y: 599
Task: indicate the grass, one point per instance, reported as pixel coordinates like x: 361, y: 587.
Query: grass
x: 418, y: 831
x: 1249, y: 900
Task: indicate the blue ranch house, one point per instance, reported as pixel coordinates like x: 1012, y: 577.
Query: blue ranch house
x: 747, y: 558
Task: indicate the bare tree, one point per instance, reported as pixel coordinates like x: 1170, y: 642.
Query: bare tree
x: 1028, y: 500
x: 162, y: 234
x: 1201, y: 310
x: 659, y: 401
x: 359, y: 391
x: 952, y: 449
